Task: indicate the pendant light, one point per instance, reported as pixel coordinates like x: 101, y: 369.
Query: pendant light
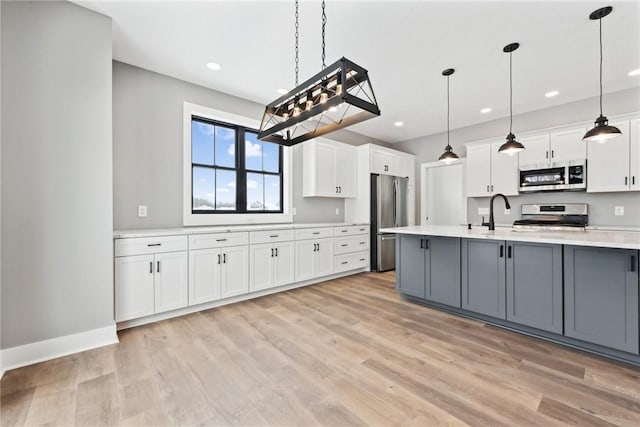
x: 601, y: 132
x: 448, y: 156
x: 339, y: 96
x: 512, y: 146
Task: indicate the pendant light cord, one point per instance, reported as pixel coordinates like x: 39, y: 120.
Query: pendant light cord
x: 297, y: 36
x: 600, y: 20
x: 510, y: 94
x: 324, y: 24
x: 448, y: 145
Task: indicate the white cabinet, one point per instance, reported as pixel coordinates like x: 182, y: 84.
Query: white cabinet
x: 217, y: 273
x: 384, y: 163
x: 634, y: 155
x: 150, y: 276
x: 558, y: 146
x: 271, y: 265
x: 609, y: 163
x: 314, y: 258
x: 235, y: 271
x: 329, y: 169
x: 489, y: 172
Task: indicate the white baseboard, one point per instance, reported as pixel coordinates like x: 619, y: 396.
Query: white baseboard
x: 28, y: 354
x: 213, y: 304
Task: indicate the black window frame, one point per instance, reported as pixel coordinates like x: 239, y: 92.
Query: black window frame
x: 240, y: 170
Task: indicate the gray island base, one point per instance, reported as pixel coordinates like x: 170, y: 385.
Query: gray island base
x: 582, y: 296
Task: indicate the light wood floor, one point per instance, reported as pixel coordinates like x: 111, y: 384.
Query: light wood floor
x: 341, y: 353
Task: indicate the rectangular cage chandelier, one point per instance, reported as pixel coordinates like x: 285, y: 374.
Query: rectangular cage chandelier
x: 335, y: 98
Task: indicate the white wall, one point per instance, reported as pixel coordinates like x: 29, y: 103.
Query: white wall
x: 57, y: 263
x: 428, y: 148
x: 147, y: 148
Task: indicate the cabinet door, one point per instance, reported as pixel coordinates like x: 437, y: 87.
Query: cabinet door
x: 283, y: 264
x: 478, y: 170
x: 483, y: 277
x: 324, y: 257
x: 235, y: 271
x: 204, y: 275
x: 347, y: 169
x: 536, y: 151
x: 134, y: 287
x: 504, y: 172
x: 568, y: 145
x: 601, y: 296
x: 634, y: 153
x: 608, y: 162
x: 383, y: 163
x: 171, y: 284
x: 319, y: 169
x: 305, y: 257
x: 261, y: 260
x: 410, y: 254
x: 534, y: 285
x: 443, y: 270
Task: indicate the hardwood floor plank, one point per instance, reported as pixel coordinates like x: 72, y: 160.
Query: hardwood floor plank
x: 97, y: 402
x: 14, y: 407
x: 569, y: 415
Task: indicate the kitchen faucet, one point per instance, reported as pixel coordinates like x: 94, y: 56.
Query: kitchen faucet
x: 491, y: 223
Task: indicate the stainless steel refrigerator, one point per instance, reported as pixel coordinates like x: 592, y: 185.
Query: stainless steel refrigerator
x: 388, y: 209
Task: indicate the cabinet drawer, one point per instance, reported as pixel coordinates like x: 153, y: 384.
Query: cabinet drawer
x: 256, y: 237
x: 351, y: 261
x: 218, y: 240
x: 343, y: 245
x: 313, y: 233
x: 351, y: 230
x: 149, y: 245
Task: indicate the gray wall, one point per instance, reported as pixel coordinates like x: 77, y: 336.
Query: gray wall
x: 57, y: 264
x: 428, y: 148
x: 147, y: 148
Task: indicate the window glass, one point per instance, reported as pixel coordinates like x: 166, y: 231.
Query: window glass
x: 253, y: 152
x: 271, y: 157
x: 272, y: 192
x: 202, y: 143
x: 225, y: 190
x: 255, y: 192
x: 225, y: 147
x: 203, y: 188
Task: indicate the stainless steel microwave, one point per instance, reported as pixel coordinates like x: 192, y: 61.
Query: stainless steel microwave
x: 564, y: 176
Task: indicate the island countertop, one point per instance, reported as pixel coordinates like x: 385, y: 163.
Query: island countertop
x: 597, y: 238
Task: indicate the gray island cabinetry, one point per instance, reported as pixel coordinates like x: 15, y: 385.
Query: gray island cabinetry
x: 430, y: 268
x: 601, y: 296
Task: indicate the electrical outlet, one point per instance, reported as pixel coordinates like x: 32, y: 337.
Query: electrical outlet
x: 507, y: 211
x: 337, y: 211
x: 618, y: 211
x: 293, y: 211
x: 142, y: 211
x: 483, y: 211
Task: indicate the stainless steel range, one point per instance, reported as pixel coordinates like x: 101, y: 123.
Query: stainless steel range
x: 567, y: 216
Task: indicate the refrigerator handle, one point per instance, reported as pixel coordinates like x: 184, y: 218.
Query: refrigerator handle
x: 395, y: 203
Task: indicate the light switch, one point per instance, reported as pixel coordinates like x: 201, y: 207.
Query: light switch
x: 142, y: 211
x: 507, y: 211
x: 618, y: 211
x: 337, y: 211
x: 293, y: 211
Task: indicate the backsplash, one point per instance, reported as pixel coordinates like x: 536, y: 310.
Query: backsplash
x: 601, y: 207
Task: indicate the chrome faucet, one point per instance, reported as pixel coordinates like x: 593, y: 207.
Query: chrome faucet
x: 491, y: 223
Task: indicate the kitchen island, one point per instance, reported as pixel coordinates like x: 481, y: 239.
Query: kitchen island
x: 578, y: 288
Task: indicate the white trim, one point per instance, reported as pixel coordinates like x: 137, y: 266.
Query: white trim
x: 188, y: 218
x: 206, y: 306
x: 28, y: 354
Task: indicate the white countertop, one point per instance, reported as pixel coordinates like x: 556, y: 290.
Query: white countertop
x: 122, y: 234
x: 599, y: 238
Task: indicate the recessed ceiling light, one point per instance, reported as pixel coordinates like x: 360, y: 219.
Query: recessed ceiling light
x: 214, y: 66
x: 283, y: 91
x: 485, y: 110
x: 634, y: 73
x: 333, y: 109
x: 398, y: 124
x: 551, y: 94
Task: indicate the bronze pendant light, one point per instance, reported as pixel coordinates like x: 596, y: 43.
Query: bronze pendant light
x: 339, y: 96
x: 448, y: 156
x: 512, y: 146
x: 601, y: 132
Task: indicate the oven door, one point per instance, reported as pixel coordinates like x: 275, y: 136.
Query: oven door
x: 542, y: 179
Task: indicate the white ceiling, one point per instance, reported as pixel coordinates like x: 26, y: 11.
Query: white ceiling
x: 404, y: 45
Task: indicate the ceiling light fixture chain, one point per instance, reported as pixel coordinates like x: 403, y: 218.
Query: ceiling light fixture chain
x: 600, y: 20
x: 324, y: 24
x: 448, y: 156
x: 511, y: 146
x: 448, y: 144
x: 297, y: 45
x: 510, y: 92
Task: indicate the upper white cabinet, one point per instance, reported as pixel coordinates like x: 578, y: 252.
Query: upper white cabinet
x: 489, y: 172
x: 384, y: 163
x: 558, y: 146
x: 329, y: 169
x: 615, y: 164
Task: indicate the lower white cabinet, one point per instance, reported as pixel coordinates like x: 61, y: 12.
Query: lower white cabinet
x: 148, y: 284
x: 218, y: 273
x: 271, y: 265
x: 314, y: 258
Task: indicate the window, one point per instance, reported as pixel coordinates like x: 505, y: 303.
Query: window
x: 232, y: 171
